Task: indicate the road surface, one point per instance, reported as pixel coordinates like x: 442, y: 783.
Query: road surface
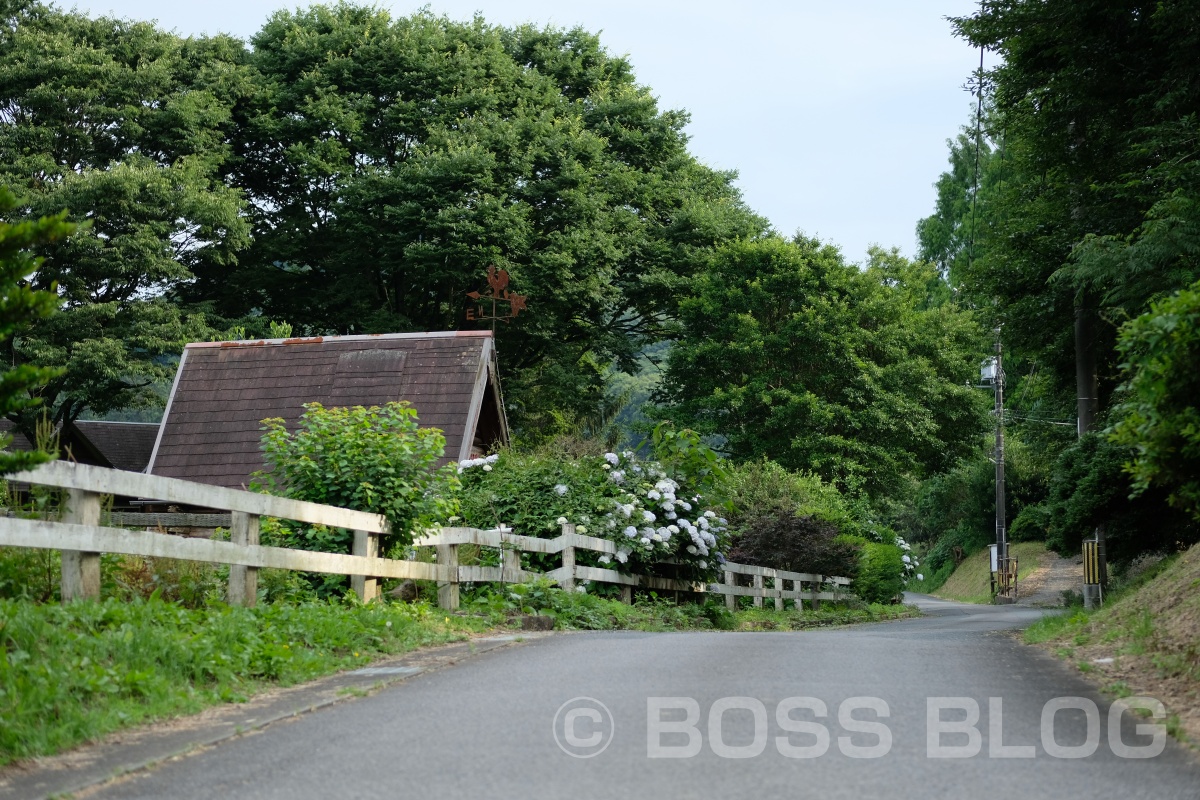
x: 506, y: 724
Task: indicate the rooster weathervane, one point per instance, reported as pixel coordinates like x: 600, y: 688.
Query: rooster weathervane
x: 497, y: 296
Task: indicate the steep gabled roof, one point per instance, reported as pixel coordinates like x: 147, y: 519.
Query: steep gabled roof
x: 212, y: 429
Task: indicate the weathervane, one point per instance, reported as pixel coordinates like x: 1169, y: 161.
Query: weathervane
x: 498, y: 283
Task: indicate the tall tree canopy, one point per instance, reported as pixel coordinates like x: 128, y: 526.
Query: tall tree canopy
x: 389, y: 161
x: 1099, y: 106
x: 860, y: 376
x: 126, y: 127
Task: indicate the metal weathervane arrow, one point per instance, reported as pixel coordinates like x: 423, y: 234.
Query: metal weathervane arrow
x: 498, y: 296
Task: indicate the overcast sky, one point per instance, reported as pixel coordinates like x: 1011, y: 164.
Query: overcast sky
x: 834, y: 115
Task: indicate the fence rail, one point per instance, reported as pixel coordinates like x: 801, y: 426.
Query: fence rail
x: 82, y: 539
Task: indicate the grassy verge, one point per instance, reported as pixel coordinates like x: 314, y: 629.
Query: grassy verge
x: 577, y: 611
x: 1145, y: 641
x: 71, y: 674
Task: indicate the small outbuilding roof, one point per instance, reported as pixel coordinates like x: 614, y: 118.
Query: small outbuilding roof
x: 212, y: 429
x: 120, y: 445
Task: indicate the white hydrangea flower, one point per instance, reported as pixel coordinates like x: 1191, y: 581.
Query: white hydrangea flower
x: 671, y: 515
x: 561, y: 520
x: 673, y: 528
x: 616, y: 476
x: 653, y: 495
x: 493, y: 458
x: 560, y: 489
x: 605, y: 559
x: 630, y: 531
x: 710, y: 515
x: 581, y: 528
x: 622, y: 556
x: 648, y: 516
x: 686, y: 505
x: 645, y: 540
x: 487, y: 467
x: 581, y: 589
x: 668, y: 506
x: 691, y: 548
x: 607, y: 467
x: 703, y: 564
x: 920, y: 577
x: 906, y: 559
x: 683, y: 523
x: 612, y: 459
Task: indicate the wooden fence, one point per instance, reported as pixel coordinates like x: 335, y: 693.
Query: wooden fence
x: 81, y: 539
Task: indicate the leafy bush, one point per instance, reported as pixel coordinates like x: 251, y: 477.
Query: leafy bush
x: 764, y: 488
x: 798, y: 544
x: 1160, y: 420
x: 370, y: 459
x: 650, y: 516
x: 881, y: 574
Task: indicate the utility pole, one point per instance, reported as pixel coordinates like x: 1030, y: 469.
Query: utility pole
x: 1001, y: 532
x: 1087, y: 403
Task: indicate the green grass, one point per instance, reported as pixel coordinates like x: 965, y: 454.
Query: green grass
x: 578, y: 611
x: 971, y: 582
x: 69, y: 674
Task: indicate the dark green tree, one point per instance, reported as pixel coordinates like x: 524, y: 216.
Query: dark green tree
x: 126, y: 127
x: 389, y: 161
x: 1159, y: 419
x: 860, y: 376
x: 21, y: 305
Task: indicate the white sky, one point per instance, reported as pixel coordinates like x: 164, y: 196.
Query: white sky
x: 835, y: 115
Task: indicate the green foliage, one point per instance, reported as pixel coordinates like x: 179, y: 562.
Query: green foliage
x: 127, y: 127
x: 21, y: 306
x: 370, y: 459
x: 1159, y: 420
x: 881, y: 574
x: 764, y: 488
x: 1089, y: 486
x: 797, y: 544
x: 389, y: 160
x: 74, y: 673
x: 858, y: 376
x: 649, y: 516
x: 687, y: 459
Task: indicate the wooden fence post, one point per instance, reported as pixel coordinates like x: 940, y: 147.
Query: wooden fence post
x: 243, y: 581
x: 81, y: 570
x: 758, y: 593
x: 366, y: 544
x: 796, y: 586
x: 731, y: 599
x: 778, y: 585
x: 447, y: 555
x: 568, y: 559
x: 510, y: 565
x: 627, y: 594
x: 816, y: 591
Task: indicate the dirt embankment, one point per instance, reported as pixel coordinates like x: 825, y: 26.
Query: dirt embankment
x: 1147, y: 642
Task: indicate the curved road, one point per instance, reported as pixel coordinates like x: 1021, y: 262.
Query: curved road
x: 487, y: 727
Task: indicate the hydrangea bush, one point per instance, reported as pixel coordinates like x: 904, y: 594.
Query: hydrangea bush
x: 652, y: 517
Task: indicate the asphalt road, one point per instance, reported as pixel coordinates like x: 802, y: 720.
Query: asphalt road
x: 487, y: 727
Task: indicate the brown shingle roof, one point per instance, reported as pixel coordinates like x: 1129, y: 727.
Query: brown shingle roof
x: 126, y: 445
x: 122, y: 445
x: 212, y: 430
